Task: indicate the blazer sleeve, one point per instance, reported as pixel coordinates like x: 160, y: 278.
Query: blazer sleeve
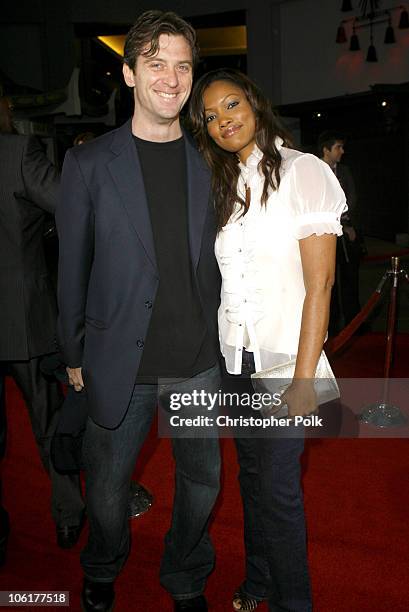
x: 75, y: 225
x: 41, y: 178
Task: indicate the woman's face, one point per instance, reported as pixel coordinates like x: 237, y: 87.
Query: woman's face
x: 230, y: 120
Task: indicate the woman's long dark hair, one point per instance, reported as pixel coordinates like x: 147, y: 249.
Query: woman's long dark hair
x: 225, y: 165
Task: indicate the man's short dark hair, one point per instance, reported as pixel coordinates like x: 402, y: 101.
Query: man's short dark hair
x: 327, y: 140
x: 143, y: 37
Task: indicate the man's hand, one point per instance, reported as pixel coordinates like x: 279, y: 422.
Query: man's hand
x: 300, y: 397
x: 75, y: 378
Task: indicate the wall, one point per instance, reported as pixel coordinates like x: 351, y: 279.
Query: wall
x: 37, y: 43
x: 20, y: 54
x: 292, y: 52
x: 292, y: 55
x: 315, y: 67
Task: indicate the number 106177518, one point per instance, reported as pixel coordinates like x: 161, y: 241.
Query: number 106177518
x: 34, y: 598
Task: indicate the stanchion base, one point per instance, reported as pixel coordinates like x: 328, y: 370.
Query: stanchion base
x: 382, y: 415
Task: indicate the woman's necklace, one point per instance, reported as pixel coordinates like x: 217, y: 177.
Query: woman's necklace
x: 248, y: 196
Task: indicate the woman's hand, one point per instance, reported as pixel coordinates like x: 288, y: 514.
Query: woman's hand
x: 300, y: 397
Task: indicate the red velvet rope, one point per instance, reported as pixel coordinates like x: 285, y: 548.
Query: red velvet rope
x: 401, y: 253
x: 334, y: 344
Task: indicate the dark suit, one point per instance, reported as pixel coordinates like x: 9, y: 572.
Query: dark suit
x: 108, y: 281
x: 345, y: 295
x: 108, y: 277
x: 28, y: 188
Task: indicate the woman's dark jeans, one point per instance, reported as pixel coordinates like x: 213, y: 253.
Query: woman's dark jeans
x: 274, y: 523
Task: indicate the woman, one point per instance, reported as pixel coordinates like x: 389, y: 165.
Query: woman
x: 278, y: 216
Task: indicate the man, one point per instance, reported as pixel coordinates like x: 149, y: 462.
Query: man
x: 28, y: 190
x: 138, y: 296
x: 345, y: 296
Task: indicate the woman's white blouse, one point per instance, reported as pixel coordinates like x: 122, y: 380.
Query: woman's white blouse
x: 263, y: 290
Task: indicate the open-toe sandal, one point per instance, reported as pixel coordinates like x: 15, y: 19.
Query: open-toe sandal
x: 242, y: 601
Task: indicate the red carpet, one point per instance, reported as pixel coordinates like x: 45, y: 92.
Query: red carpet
x: 356, y: 494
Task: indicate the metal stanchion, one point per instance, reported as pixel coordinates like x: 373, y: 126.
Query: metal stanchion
x: 383, y: 414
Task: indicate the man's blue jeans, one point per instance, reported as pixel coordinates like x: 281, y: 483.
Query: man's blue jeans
x: 110, y: 456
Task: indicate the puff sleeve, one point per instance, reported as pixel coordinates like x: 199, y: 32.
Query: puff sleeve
x: 316, y: 198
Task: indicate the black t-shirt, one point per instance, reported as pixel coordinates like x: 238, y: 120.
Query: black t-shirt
x: 177, y: 342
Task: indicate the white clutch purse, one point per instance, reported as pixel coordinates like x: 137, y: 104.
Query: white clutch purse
x: 276, y: 379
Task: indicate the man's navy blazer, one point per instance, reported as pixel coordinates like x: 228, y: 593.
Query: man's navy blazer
x: 108, y: 277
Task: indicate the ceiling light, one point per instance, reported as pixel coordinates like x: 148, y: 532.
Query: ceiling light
x: 371, y: 15
x: 341, y: 36
x: 371, y: 55
x: 354, y: 42
x: 389, y: 34
x: 404, y: 20
x: 346, y: 6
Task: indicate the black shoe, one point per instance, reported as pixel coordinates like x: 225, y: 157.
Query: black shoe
x: 68, y: 536
x: 4, y: 534
x: 140, y: 500
x: 196, y: 604
x: 97, y: 596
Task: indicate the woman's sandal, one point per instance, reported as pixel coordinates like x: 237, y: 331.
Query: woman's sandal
x: 242, y: 601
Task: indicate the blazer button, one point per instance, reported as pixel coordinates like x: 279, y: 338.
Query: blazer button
x: 148, y: 304
x: 140, y: 343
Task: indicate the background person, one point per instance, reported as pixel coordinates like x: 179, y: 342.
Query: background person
x: 345, y: 295
x: 278, y: 214
x: 28, y: 190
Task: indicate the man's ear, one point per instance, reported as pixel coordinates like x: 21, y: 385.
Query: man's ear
x: 129, y: 75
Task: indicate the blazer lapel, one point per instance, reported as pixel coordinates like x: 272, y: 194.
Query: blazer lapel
x: 126, y: 172
x: 198, y: 183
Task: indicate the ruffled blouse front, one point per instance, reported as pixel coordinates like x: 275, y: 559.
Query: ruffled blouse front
x: 263, y: 291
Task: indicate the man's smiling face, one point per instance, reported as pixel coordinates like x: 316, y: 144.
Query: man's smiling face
x: 162, y: 82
